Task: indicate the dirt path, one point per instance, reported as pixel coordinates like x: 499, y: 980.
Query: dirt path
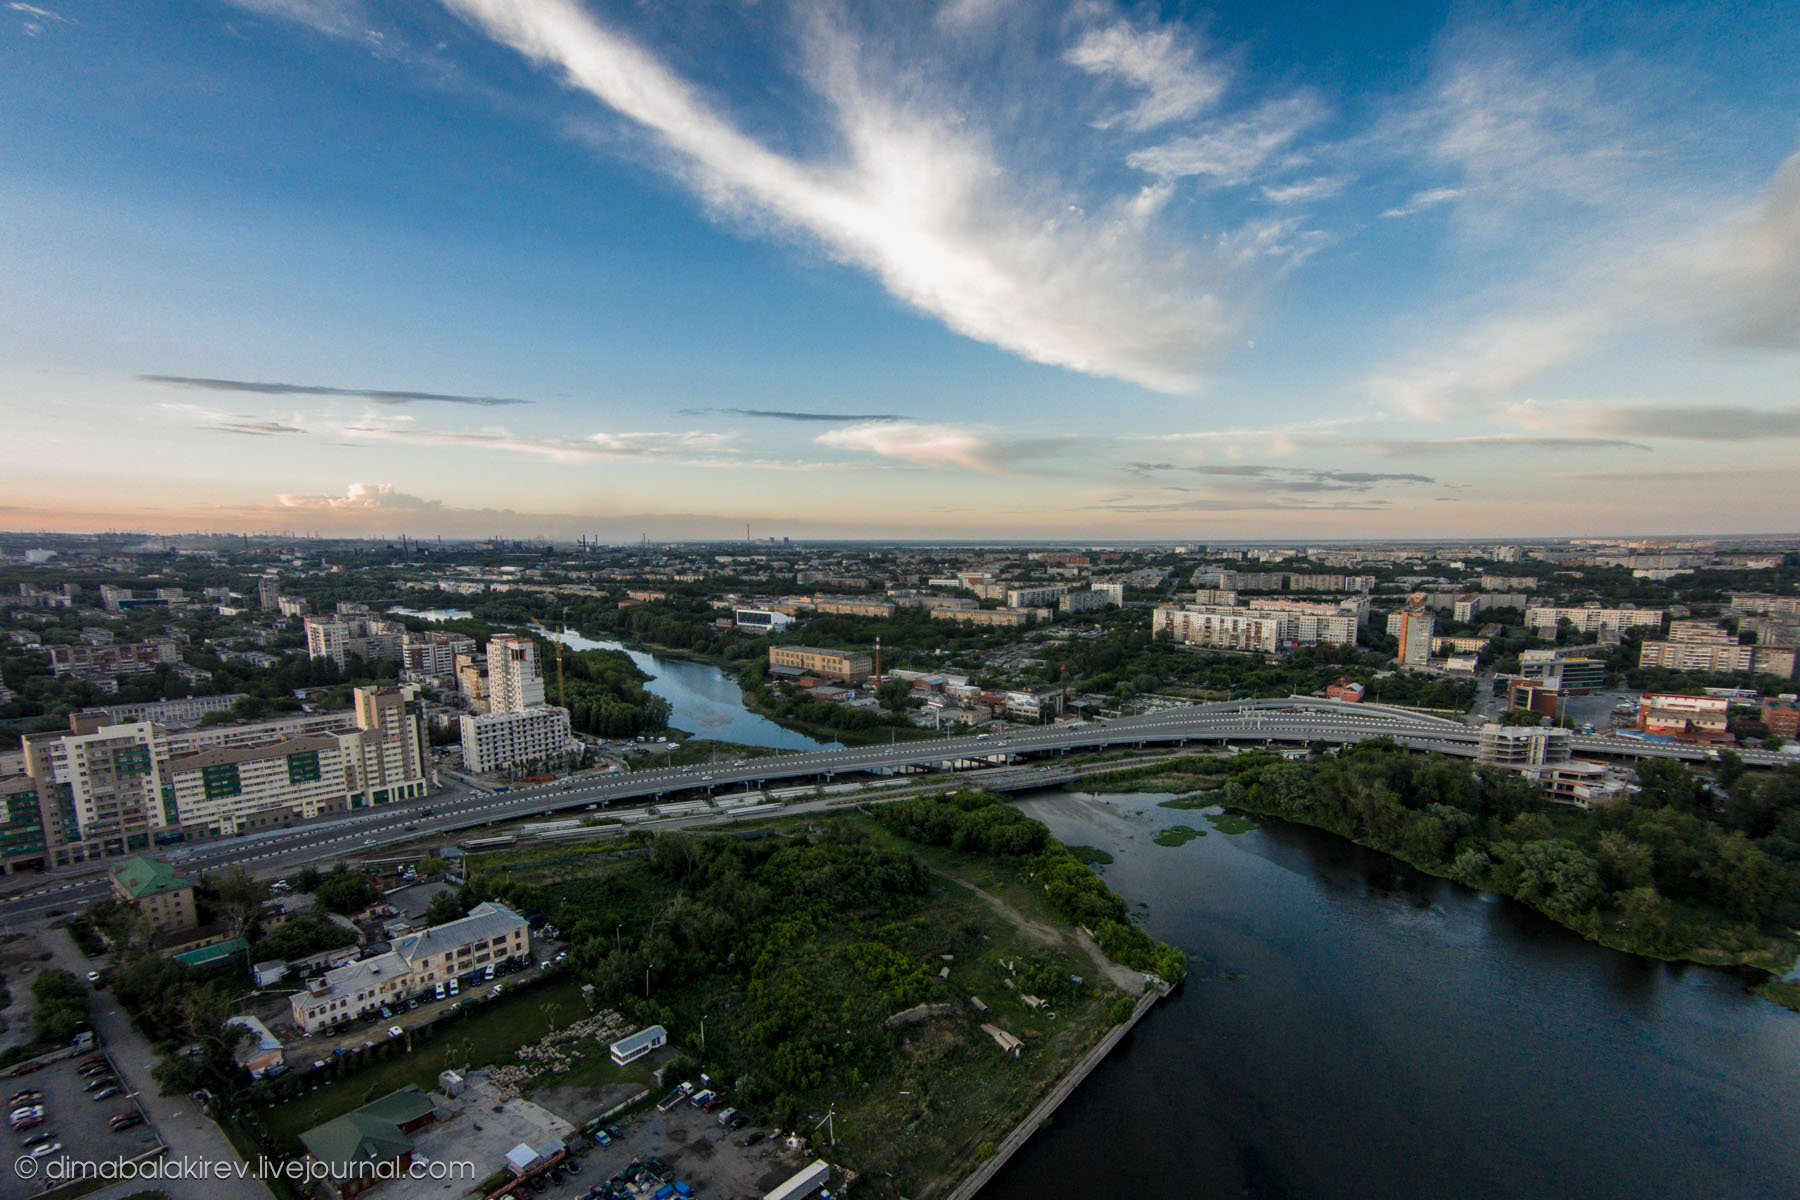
x: 1127, y: 980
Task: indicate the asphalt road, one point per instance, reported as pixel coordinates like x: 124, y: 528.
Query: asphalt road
x: 1294, y: 721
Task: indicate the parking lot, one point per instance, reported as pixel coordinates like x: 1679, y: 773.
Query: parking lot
x: 698, y: 1151
x: 73, y: 1119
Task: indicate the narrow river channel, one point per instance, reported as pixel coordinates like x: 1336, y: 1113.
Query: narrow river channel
x: 1353, y: 1028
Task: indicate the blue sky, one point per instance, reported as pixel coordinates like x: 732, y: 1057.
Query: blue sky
x: 966, y: 269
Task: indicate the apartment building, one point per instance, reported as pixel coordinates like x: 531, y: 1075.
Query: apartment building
x: 153, y: 887
x: 853, y: 606
x: 108, y: 789
x: 515, y: 674
x: 188, y: 710
x: 418, y: 963
x: 432, y: 653
x: 1092, y: 600
x: 22, y: 841
x: 1766, y: 604
x: 499, y: 741
x: 851, y: 666
x: 1523, y: 745
x: 131, y: 658
x: 1702, y: 646
x: 1592, y: 619
x: 997, y: 618
x: 1416, y: 626
x: 1038, y: 596
x: 337, y: 636
x: 1217, y: 627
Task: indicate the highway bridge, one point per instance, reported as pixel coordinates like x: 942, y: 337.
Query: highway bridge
x: 1295, y: 721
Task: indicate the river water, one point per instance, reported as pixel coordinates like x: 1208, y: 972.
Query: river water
x: 704, y: 700
x: 1352, y: 1028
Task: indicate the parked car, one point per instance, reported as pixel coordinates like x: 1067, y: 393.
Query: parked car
x: 125, y: 1120
x: 93, y: 1069
x: 25, y: 1069
x: 20, y: 1099
x: 45, y: 1150
x: 738, y: 1122
x: 107, y: 1093
x: 98, y: 1082
x: 18, y: 1117
x: 37, y: 1139
x: 27, y: 1122
x: 440, y: 992
x: 93, y: 1060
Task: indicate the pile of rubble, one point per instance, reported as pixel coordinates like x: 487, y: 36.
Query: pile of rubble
x: 557, y: 1051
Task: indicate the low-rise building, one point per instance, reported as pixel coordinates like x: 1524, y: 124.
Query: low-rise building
x: 1782, y: 717
x: 418, y: 963
x: 1003, y: 618
x: 156, y: 890
x: 761, y: 620
x: 851, y: 666
x: 131, y: 658
x: 1685, y: 718
x: 350, y: 1154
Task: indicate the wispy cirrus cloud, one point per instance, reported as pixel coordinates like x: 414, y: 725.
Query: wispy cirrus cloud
x: 1158, y: 62
x: 918, y: 197
x: 33, y: 21
x: 1406, y: 447
x: 1233, y: 150
x: 371, y: 395
x: 776, y: 414
x: 1262, y: 477
x: 1421, y: 201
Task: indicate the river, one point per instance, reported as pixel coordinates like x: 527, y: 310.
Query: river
x: 703, y: 700
x: 1353, y: 1028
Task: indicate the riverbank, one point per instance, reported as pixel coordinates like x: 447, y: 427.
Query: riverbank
x: 1596, y: 881
x: 933, y: 999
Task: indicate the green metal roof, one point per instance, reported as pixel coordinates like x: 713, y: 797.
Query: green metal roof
x: 200, y: 956
x: 142, y: 876
x: 370, y: 1134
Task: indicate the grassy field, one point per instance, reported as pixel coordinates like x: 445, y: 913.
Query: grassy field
x: 942, y: 1088
x: 487, y: 1037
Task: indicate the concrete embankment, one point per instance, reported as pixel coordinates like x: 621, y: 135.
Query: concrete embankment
x: 1065, y: 1087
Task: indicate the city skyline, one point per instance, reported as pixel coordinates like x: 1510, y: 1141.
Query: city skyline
x: 965, y: 271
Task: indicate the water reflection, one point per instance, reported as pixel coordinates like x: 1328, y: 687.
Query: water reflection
x: 1355, y: 1028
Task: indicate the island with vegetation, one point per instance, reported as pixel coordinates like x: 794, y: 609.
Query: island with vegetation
x: 1699, y: 867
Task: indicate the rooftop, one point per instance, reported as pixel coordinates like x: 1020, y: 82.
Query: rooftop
x: 142, y: 876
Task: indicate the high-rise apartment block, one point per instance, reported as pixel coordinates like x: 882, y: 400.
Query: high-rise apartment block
x: 106, y: 788
x: 518, y: 728
x: 338, y: 636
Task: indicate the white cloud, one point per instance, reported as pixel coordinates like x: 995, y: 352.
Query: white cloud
x: 1423, y: 200
x: 360, y: 497
x: 919, y: 200
x: 1175, y: 83
x: 1746, y: 274
x: 925, y: 445
x: 1304, y: 191
x: 1231, y: 151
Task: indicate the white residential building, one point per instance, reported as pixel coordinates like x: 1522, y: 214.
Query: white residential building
x: 515, y: 674
x: 1592, y: 618
x: 495, y: 741
x: 418, y: 963
x: 1221, y: 628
